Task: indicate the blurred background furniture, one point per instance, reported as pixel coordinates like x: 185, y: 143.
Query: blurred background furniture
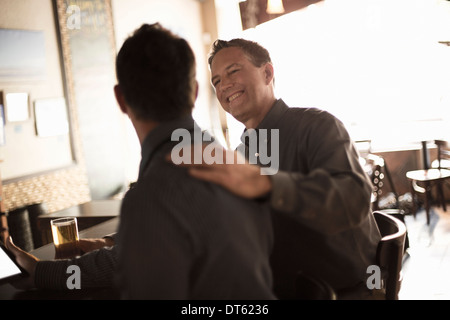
x: 23, y: 225
x: 443, y: 162
x: 443, y: 155
x: 20, y: 228
x: 377, y: 169
x: 390, y: 252
x: 379, y: 172
x: 425, y: 180
x: 400, y: 215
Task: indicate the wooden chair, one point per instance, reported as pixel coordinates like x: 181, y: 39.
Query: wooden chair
x: 390, y: 252
x: 376, y: 168
x: 309, y: 287
x: 442, y: 162
x: 430, y: 178
x: 379, y: 172
x: 400, y: 215
x: 443, y: 155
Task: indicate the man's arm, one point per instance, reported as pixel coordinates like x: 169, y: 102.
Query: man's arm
x: 335, y: 187
x: 244, y: 180
x: 97, y: 269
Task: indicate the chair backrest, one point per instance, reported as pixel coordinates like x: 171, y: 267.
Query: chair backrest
x: 377, y: 174
x: 443, y: 154
x: 390, y: 251
x: 377, y: 177
x: 309, y: 287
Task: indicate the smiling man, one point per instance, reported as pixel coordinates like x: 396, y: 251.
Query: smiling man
x: 231, y: 74
x: 319, y: 198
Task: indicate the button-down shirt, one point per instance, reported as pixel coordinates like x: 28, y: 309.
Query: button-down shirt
x: 183, y: 238
x: 320, y: 200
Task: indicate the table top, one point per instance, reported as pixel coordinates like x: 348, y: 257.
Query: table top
x: 91, y: 209
x: 427, y: 175
x: 47, y: 252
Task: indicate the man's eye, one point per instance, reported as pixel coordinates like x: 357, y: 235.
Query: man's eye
x: 215, y: 83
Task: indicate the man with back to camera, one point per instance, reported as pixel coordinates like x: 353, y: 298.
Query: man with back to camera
x: 179, y: 237
x: 319, y: 195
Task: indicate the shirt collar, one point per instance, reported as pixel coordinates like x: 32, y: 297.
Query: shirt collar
x: 160, y: 135
x: 271, y: 119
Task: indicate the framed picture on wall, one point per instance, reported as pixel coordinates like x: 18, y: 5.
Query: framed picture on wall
x: 22, y: 57
x: 17, y: 106
x: 51, y: 117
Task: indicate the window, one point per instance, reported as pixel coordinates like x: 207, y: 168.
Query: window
x: 375, y: 64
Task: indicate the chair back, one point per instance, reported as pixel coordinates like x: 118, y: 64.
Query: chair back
x: 376, y: 168
x: 309, y: 287
x: 390, y: 252
x: 443, y: 154
x: 20, y: 229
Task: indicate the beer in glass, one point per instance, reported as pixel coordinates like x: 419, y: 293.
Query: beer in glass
x: 65, y: 237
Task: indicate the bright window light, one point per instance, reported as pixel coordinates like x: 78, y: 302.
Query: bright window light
x: 377, y: 65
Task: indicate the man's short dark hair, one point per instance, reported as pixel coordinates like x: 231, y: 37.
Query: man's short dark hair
x: 156, y: 73
x: 257, y: 54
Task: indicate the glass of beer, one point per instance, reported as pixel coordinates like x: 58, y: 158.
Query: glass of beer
x: 65, y: 237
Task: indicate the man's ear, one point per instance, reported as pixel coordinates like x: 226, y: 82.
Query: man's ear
x: 120, y: 99
x: 268, y: 72
x: 196, y: 89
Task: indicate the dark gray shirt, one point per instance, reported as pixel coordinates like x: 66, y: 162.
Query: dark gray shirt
x: 320, y: 201
x: 182, y: 238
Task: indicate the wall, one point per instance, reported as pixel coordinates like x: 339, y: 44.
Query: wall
x: 21, y: 138
x: 61, y: 188
x: 183, y: 17
x: 75, y: 184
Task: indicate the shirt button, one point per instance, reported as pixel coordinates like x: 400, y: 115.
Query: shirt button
x: 257, y: 154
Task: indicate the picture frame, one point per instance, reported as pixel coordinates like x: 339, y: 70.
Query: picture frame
x: 51, y: 117
x: 22, y: 57
x: 17, y: 106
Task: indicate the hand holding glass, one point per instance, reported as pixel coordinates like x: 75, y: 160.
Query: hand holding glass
x: 65, y: 238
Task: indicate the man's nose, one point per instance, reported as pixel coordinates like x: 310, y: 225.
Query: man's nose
x: 225, y: 84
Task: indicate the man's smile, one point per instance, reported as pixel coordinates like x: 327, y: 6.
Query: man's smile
x: 234, y: 96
